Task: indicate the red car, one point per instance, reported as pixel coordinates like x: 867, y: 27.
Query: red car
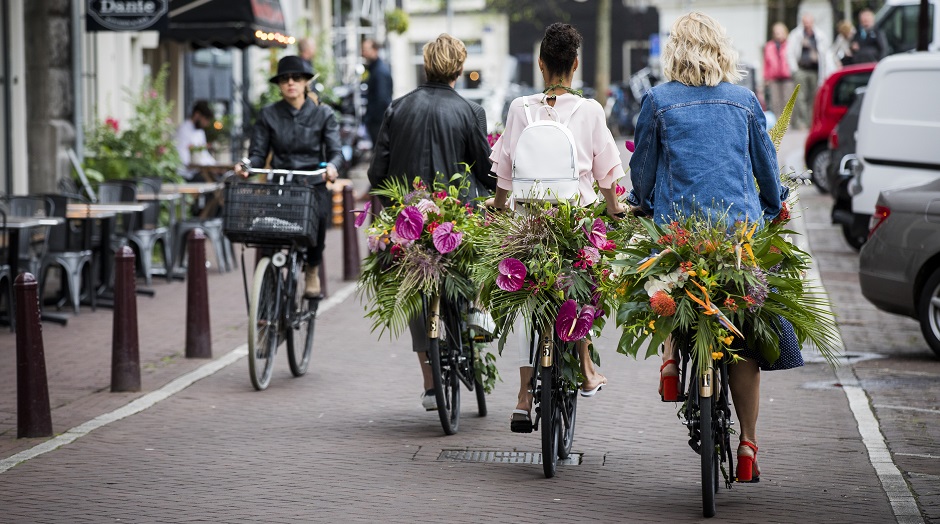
x: 833, y: 99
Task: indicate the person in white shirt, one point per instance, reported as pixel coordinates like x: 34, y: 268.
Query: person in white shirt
x: 191, y: 140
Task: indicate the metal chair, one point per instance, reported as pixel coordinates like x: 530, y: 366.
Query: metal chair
x: 75, y: 261
x: 146, y: 237
x: 6, y: 273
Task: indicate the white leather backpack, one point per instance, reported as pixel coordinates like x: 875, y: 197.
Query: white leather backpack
x: 545, y: 161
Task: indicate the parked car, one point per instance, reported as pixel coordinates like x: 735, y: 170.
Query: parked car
x: 833, y: 99
x: 842, y: 152
x: 897, y: 19
x: 899, y: 266
x: 898, y: 129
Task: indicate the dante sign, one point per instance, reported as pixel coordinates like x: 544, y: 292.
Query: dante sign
x: 126, y: 15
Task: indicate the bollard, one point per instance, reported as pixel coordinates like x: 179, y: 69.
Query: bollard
x: 198, y: 333
x: 125, y: 350
x: 350, y: 239
x: 33, y: 416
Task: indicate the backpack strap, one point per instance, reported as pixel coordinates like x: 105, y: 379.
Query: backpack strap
x: 576, y: 106
x: 528, y: 110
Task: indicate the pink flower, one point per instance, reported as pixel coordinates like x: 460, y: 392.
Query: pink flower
x: 445, y: 238
x: 512, y: 273
x: 427, y: 206
x: 630, y: 145
x: 440, y: 195
x: 492, y: 138
x: 112, y: 123
x: 161, y: 150
x: 570, y: 325
x: 376, y: 243
x: 620, y: 190
x: 598, y: 236
x: 409, y: 223
x: 396, y: 250
x: 361, y: 217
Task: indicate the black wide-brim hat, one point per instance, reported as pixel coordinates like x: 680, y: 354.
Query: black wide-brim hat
x: 292, y: 64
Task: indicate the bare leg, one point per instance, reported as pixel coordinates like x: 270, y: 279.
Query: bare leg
x: 591, y: 377
x: 426, y: 370
x: 525, y: 382
x: 669, y: 353
x: 744, y: 379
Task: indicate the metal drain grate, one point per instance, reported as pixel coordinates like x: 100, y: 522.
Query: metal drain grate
x: 502, y: 457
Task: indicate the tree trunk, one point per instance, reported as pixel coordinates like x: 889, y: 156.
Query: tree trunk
x: 602, y: 74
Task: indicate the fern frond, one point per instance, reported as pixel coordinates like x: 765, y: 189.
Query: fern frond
x: 783, y: 121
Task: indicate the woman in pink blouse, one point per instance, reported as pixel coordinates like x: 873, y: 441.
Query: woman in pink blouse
x: 598, y: 160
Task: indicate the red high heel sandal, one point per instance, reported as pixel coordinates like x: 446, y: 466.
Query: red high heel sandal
x: 747, y: 465
x: 668, y: 384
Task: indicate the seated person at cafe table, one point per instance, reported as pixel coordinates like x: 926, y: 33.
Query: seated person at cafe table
x: 191, y: 140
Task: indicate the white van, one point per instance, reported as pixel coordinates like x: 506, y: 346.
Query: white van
x: 897, y: 20
x: 898, y: 129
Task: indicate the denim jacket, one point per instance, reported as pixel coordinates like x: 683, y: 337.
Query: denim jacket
x: 699, y: 150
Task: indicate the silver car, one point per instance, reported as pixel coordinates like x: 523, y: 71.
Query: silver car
x: 899, y: 266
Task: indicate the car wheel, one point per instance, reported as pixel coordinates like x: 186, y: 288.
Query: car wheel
x: 819, y: 159
x: 854, y: 239
x: 928, y: 312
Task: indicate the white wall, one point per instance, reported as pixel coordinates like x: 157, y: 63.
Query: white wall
x: 114, y: 70
x: 745, y: 21
x: 491, y: 29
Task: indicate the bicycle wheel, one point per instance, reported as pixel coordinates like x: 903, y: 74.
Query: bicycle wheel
x: 550, y: 413
x: 263, y: 324
x: 446, y: 383
x: 568, y: 412
x: 481, y: 398
x: 303, y: 320
x: 709, y: 457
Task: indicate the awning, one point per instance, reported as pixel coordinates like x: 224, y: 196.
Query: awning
x: 227, y: 23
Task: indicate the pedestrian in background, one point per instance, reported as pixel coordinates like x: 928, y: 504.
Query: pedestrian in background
x: 869, y: 44
x: 777, y: 75
x: 807, y: 53
x: 842, y: 46
x: 431, y: 131
x: 379, y: 82
x: 307, y: 51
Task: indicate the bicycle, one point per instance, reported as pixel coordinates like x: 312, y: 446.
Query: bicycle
x: 279, y: 218
x: 452, y: 355
x: 706, y: 411
x: 555, y: 398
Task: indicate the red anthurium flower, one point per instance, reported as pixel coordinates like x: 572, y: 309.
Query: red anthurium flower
x: 630, y: 145
x: 361, y: 217
x: 598, y: 236
x: 446, y: 239
x: 570, y: 325
x: 512, y: 274
x: 409, y: 223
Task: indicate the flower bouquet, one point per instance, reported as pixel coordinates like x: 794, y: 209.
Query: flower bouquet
x: 418, y: 248
x: 726, y: 287
x: 545, y: 264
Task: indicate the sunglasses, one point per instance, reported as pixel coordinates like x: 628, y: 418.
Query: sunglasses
x: 283, y: 79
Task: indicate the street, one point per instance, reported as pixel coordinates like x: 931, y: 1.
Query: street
x: 349, y: 441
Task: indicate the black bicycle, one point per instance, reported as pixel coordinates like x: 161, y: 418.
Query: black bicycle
x: 555, y: 398
x: 453, y: 356
x: 706, y: 411
x: 279, y: 218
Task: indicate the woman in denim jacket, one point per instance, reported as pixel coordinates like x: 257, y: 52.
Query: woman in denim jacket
x: 701, y: 142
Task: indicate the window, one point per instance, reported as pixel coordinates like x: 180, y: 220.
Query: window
x: 844, y: 92
x: 899, y: 24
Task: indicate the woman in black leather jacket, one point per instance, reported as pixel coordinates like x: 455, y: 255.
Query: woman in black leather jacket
x: 299, y: 134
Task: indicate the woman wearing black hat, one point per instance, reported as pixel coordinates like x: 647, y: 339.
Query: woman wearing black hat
x: 299, y: 134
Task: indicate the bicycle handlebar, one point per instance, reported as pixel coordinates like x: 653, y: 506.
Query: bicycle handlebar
x: 288, y: 173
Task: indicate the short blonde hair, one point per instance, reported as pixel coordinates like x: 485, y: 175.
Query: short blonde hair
x: 699, y: 52
x: 444, y: 58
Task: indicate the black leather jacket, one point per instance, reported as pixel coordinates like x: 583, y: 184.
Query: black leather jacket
x: 430, y: 130
x: 298, y: 138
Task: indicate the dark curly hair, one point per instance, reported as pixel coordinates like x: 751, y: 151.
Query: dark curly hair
x: 559, y: 48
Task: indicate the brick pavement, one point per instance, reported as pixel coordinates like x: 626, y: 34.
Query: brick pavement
x: 348, y: 442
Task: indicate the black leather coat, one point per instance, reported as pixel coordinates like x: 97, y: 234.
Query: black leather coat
x: 430, y: 130
x: 298, y: 138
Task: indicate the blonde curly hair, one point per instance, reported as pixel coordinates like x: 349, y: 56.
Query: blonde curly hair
x: 699, y: 52
x: 444, y: 58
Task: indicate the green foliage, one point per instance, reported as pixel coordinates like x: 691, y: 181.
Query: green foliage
x: 396, y: 21
x: 783, y: 122
x: 145, y: 147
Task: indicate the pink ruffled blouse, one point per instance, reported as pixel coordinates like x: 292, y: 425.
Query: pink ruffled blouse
x: 598, y: 156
